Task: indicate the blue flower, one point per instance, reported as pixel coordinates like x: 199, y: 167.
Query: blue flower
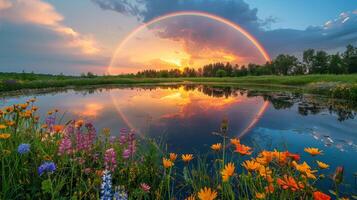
x: 46, y: 167
x: 106, y: 188
x: 23, y: 148
x: 120, y: 193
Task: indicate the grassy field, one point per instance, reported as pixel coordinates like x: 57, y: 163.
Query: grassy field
x: 338, y: 86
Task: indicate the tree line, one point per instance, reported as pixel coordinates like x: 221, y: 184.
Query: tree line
x: 313, y: 62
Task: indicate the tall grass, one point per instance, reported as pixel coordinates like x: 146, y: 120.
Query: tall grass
x: 52, y: 159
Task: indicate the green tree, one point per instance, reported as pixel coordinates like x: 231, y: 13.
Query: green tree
x: 350, y: 59
x: 221, y: 73
x: 284, y: 64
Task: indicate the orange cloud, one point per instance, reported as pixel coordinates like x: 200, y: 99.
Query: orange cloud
x: 90, y: 110
x: 41, y: 13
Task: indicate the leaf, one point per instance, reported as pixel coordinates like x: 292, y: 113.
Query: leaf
x: 46, y: 185
x: 354, y: 196
x: 332, y: 192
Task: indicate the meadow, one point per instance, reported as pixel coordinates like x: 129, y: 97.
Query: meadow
x: 54, y: 159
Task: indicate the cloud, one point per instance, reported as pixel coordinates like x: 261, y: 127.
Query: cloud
x: 332, y: 35
x: 33, y: 36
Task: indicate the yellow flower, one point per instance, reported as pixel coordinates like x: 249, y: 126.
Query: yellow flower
x: 2, y: 126
x: 264, y: 158
x: 306, y: 169
x: 207, y: 194
x: 167, y: 163
x: 228, y: 171
x: 173, y: 157
x: 260, y: 195
x: 6, y: 152
x: 216, y: 147
x: 191, y: 197
x: 23, y: 106
x: 235, y: 141
x: 264, y: 171
x: 251, y: 165
x: 4, y: 136
x: 313, y: 151
x: 187, y: 157
x: 322, y: 165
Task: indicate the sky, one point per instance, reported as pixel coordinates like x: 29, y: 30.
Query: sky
x: 108, y: 36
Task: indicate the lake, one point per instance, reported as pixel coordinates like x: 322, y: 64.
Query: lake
x: 185, y: 116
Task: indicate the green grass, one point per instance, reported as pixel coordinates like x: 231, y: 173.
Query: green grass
x: 320, y: 84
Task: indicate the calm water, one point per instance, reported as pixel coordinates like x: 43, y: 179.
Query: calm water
x: 186, y: 116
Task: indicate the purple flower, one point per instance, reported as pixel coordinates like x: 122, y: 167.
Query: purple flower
x: 65, y: 146
x: 110, y: 159
x: 46, y: 167
x: 126, y: 154
x: 23, y: 148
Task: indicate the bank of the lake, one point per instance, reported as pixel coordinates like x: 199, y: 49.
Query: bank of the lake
x: 336, y: 86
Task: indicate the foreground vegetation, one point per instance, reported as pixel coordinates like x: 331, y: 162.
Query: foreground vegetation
x: 54, y: 160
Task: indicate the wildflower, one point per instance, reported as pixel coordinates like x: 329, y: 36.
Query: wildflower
x: 145, y: 187
x: 126, y: 154
x: 289, y: 182
x: 243, y: 149
x: 280, y: 157
x: 264, y: 171
x: 187, y: 157
x: 207, y: 194
x: 23, y: 148
x: 46, y: 167
x: 251, y: 165
x: 120, y: 193
x: 269, y: 188
x: 106, y: 187
x: 173, y: 157
x: 6, y: 152
x: 4, y: 136
x: 2, y: 126
x: 47, y: 157
x: 65, y: 146
x: 320, y: 196
x: 167, y: 163
x: 293, y: 156
x: 79, y: 123
x: 337, y: 177
x: 264, y: 158
x: 313, y: 151
x: 216, y: 147
x: 235, y: 141
x: 57, y: 128
x: 23, y: 106
x: 306, y: 169
x: 322, y: 165
x: 260, y: 195
x: 110, y: 159
x: 191, y: 197
x: 10, y: 123
x: 228, y: 171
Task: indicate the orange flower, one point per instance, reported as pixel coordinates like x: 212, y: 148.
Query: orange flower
x: 79, y: 123
x: 313, y: 151
x: 167, y: 163
x: 260, y: 195
x: 235, y: 141
x: 281, y: 157
x: 293, y: 156
x: 10, y: 123
x: 322, y: 165
x: 264, y: 158
x: 251, y: 165
x: 306, y: 169
x: 23, y: 106
x: 173, y: 157
x: 288, y: 183
x: 191, y: 197
x: 187, y: 157
x: 321, y: 196
x: 269, y: 188
x: 228, y: 171
x: 4, y: 136
x: 58, y: 128
x: 243, y: 149
x: 34, y: 108
x: 207, y: 194
x: 216, y: 147
x: 2, y: 126
x: 9, y: 109
x: 264, y: 171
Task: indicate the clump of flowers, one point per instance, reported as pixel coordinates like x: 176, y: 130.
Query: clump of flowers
x: 106, y: 187
x: 23, y: 148
x: 49, y: 167
x: 145, y: 187
x: 110, y: 159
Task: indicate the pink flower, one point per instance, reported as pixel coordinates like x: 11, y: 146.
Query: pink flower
x: 145, y: 187
x: 65, y: 146
x: 126, y: 153
x: 110, y: 159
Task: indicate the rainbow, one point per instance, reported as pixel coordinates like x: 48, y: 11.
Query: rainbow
x: 249, y: 36
x: 236, y: 27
